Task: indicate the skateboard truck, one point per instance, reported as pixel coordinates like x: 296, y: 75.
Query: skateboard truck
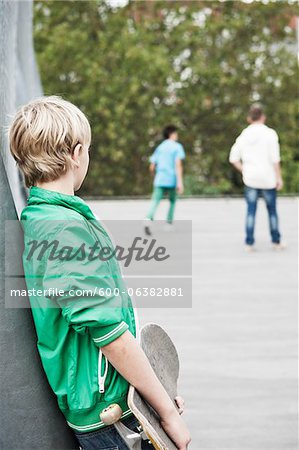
x: 111, y: 416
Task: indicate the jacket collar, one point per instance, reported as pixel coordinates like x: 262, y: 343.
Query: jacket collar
x: 39, y: 195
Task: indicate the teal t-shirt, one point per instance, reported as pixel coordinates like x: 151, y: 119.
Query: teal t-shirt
x: 165, y: 157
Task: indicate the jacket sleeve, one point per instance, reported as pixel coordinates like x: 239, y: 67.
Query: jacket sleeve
x: 275, y: 147
x: 236, y: 151
x: 84, y: 287
x: 180, y: 153
x: 155, y: 157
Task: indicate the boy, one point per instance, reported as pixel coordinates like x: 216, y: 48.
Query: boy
x: 87, y: 344
x: 166, y: 163
x: 256, y: 155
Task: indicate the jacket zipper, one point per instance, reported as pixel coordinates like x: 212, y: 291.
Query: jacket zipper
x: 102, y: 378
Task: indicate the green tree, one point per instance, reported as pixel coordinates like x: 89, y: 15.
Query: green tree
x: 198, y: 64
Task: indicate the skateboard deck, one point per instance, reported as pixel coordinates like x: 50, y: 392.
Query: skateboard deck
x: 163, y: 358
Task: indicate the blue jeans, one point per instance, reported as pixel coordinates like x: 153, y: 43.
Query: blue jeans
x: 108, y: 439
x: 251, y: 196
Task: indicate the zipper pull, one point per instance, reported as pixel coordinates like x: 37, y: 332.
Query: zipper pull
x: 102, y: 378
x: 102, y: 384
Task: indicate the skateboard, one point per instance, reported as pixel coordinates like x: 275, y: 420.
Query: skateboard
x: 164, y: 359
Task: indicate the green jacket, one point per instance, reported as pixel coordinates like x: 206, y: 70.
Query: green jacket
x: 71, y: 324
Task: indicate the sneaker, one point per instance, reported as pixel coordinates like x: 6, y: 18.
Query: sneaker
x: 147, y: 229
x: 249, y: 248
x: 278, y: 246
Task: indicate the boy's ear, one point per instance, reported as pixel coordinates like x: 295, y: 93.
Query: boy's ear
x: 76, y: 152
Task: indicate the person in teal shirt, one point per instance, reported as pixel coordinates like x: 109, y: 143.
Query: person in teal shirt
x: 166, y: 164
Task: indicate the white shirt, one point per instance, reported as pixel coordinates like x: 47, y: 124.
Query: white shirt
x: 258, y: 149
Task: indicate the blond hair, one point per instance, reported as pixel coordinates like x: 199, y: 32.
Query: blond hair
x: 43, y: 135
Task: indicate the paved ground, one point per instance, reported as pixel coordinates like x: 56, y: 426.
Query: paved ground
x: 238, y: 343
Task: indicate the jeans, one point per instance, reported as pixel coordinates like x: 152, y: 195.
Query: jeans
x: 269, y: 195
x: 157, y: 196
x: 108, y: 439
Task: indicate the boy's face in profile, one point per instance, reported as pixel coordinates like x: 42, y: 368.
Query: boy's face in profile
x: 174, y: 136
x: 81, y: 157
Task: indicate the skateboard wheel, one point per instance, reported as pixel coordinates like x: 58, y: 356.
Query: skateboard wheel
x: 111, y: 414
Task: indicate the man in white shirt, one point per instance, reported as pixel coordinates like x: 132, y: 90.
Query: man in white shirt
x: 256, y: 155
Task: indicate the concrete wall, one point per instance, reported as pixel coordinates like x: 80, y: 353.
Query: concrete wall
x: 29, y: 415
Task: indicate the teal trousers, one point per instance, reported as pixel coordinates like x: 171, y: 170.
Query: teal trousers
x: 157, y: 196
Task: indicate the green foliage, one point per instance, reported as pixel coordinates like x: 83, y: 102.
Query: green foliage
x: 197, y: 64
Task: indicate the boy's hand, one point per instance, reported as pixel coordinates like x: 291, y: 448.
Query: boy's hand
x: 152, y: 168
x: 279, y: 184
x: 180, y: 404
x: 125, y: 354
x: 177, y: 430
x: 238, y: 165
x: 180, y: 188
